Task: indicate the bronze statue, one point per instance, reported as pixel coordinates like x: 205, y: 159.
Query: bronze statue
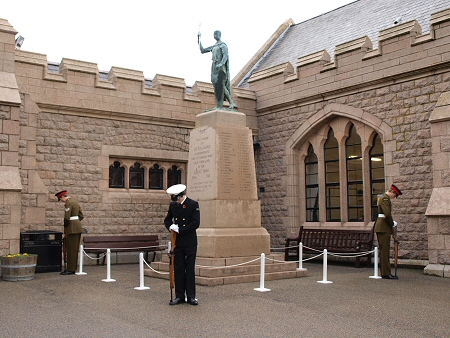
x: 220, y: 70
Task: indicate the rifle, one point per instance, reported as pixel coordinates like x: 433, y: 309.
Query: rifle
x: 396, y: 254
x: 173, y: 241
x: 65, y: 253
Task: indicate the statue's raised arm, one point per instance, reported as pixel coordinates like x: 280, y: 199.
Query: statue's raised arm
x: 220, y: 69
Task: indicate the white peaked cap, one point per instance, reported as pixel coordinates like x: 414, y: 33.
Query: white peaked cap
x: 176, y: 189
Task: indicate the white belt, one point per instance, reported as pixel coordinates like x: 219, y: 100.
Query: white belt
x: 72, y: 218
x: 381, y: 216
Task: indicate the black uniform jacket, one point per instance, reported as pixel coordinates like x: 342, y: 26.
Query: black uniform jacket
x: 187, y: 217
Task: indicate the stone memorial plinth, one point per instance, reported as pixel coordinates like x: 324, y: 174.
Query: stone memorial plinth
x: 222, y: 178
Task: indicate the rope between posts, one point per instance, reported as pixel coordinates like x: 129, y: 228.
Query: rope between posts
x: 351, y: 254
x: 303, y: 260
x: 206, y: 266
x: 228, y: 266
x: 161, y: 273
x: 95, y: 258
x: 162, y: 247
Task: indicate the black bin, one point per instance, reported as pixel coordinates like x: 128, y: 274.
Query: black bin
x: 47, y: 245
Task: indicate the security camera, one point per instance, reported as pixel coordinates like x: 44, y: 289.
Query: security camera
x: 19, y: 41
x: 398, y: 20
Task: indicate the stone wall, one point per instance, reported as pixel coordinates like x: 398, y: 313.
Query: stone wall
x: 397, y: 84
x: 63, y: 126
x: 11, y: 106
x: 72, y: 154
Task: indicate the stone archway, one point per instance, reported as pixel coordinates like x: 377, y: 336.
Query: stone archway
x: 313, y: 128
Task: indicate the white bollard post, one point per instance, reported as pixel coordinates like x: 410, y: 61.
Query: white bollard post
x: 375, y: 265
x: 325, y: 266
x: 108, y: 267
x: 262, y: 273
x: 300, y: 258
x: 81, y: 253
x: 141, y: 273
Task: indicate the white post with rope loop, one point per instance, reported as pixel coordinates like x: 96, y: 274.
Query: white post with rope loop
x: 300, y: 258
x: 108, y: 267
x: 375, y: 265
x: 81, y: 260
x: 141, y: 273
x: 325, y: 263
x: 262, y: 273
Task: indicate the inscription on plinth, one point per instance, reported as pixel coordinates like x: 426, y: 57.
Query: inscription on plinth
x: 222, y: 178
x: 201, y: 166
x: 221, y: 164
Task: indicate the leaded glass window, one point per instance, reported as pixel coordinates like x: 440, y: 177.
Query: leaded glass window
x: 137, y: 176
x: 376, y: 174
x: 156, y: 177
x: 332, y: 189
x: 312, y: 186
x: 355, y: 191
x: 116, y: 175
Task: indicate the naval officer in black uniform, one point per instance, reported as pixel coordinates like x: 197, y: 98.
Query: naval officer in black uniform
x: 183, y: 217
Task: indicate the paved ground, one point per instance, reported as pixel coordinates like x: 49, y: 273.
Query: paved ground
x: 352, y: 306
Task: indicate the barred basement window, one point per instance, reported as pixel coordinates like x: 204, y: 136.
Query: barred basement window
x: 116, y: 175
x: 332, y: 188
x: 136, y: 176
x: 376, y: 173
x: 156, y: 177
x: 173, y: 176
x: 312, y: 186
x: 354, y: 177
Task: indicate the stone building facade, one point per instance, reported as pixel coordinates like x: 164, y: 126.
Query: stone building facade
x: 394, y: 97
x: 64, y: 129
x: 66, y: 126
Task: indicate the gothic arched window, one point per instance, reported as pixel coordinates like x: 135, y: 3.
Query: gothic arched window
x: 173, y: 176
x: 377, y: 177
x: 116, y: 175
x: 136, y: 176
x: 156, y: 177
x: 332, y: 188
x: 312, y: 186
x: 355, y: 189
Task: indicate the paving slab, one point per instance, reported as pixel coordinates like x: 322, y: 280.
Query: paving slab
x: 354, y: 305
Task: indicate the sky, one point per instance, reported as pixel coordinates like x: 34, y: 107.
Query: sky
x: 155, y: 37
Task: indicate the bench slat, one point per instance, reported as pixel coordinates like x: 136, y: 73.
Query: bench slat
x: 122, y: 243
x: 334, y: 240
x: 126, y: 238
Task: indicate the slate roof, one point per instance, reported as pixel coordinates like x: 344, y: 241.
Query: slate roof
x: 346, y: 23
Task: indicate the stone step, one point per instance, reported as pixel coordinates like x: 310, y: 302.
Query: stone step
x: 235, y: 279
x: 219, y: 271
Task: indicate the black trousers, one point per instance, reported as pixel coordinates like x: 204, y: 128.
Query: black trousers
x: 185, y: 271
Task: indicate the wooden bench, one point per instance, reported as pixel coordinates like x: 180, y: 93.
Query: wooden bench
x: 341, y: 241
x: 122, y: 243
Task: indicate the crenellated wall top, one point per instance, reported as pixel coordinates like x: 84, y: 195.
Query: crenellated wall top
x: 121, y: 93
x: 402, y: 51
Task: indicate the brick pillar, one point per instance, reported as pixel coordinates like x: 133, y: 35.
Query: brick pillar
x: 438, y: 212
x: 10, y: 182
